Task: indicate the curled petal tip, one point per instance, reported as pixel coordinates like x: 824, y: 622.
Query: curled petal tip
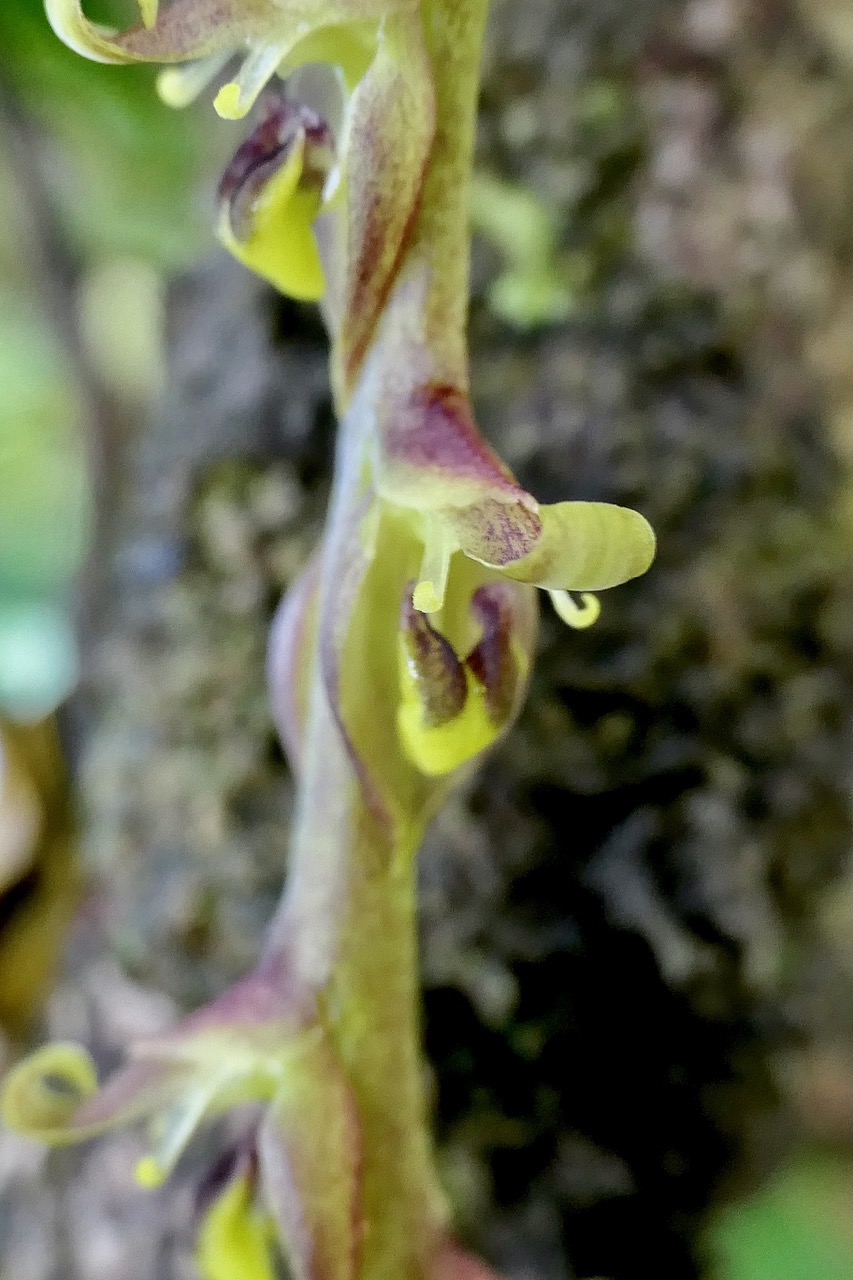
x: 41, y: 1094
x: 74, y: 29
x: 578, y: 616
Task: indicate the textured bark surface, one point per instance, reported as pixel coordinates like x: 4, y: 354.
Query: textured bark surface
x: 621, y: 928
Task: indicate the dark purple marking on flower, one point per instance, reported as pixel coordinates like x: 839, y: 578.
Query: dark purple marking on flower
x: 368, y: 288
x: 374, y: 270
x: 492, y: 661
x: 436, y: 430
x: 438, y: 673
x: 239, y: 1160
x: 283, y: 124
x: 494, y: 532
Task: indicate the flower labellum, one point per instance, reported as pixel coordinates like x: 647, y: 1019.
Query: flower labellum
x: 452, y: 710
x: 270, y: 195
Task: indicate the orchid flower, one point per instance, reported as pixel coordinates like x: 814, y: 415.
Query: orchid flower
x: 252, y: 1046
x: 372, y: 173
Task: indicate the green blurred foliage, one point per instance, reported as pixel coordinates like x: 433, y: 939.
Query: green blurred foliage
x: 128, y: 173
x: 129, y: 184
x: 799, y: 1228
x: 537, y: 286
x: 43, y: 508
x: 44, y: 505
x: 44, y: 512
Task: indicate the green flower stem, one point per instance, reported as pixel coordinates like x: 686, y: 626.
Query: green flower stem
x: 373, y: 1003
x: 347, y: 927
x: 347, y: 931
x: 424, y: 520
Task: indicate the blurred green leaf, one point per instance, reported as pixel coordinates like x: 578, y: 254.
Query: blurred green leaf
x: 44, y: 512
x: 38, y: 658
x: 130, y: 175
x: 798, y: 1228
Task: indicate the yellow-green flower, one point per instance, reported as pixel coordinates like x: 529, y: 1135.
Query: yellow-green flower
x: 372, y: 169
x: 269, y: 36
x: 425, y: 620
x: 259, y: 1043
x: 422, y: 607
x: 432, y: 463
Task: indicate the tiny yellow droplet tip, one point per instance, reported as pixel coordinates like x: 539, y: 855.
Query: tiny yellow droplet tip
x: 227, y: 102
x: 426, y: 599
x: 148, y: 1173
x: 170, y: 88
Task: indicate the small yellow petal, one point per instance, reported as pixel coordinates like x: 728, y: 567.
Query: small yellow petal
x: 281, y: 246
x: 235, y: 1237
x: 176, y: 1126
x: 432, y: 580
x: 227, y: 101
